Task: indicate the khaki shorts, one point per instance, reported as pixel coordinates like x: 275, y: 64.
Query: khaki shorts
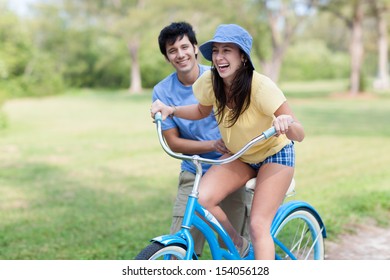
x: 235, y: 207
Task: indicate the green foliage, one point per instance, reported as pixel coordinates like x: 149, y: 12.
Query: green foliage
x: 78, y: 44
x: 312, y: 60
x: 96, y: 61
x: 43, y: 80
x: 154, y: 68
x: 363, y: 83
x: 112, y: 66
x: 25, y: 70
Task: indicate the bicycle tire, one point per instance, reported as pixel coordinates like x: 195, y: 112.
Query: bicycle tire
x: 158, y: 251
x: 300, y: 232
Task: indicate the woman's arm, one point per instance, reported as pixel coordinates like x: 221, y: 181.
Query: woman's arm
x: 189, y: 112
x: 286, y: 123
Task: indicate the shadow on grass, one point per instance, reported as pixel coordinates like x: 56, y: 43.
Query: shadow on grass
x: 52, y: 214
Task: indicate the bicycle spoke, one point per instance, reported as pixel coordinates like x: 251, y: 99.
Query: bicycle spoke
x: 314, y: 243
x: 299, y: 237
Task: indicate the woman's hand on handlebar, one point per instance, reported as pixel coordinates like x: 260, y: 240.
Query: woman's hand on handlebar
x: 282, y: 124
x: 158, y: 106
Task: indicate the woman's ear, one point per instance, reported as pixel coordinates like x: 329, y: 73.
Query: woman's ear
x: 243, y: 58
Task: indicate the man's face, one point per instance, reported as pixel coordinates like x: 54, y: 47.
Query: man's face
x: 181, y: 54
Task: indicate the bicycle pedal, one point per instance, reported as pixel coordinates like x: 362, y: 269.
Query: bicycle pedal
x: 251, y: 253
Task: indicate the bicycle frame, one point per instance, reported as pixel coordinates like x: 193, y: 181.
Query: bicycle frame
x: 197, y: 216
x: 203, y: 220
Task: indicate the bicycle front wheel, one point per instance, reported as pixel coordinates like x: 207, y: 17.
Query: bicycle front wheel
x: 158, y: 251
x: 299, y: 236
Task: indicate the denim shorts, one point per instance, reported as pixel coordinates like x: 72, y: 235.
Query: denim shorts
x: 285, y: 156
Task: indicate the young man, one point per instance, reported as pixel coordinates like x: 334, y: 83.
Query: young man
x: 178, y: 44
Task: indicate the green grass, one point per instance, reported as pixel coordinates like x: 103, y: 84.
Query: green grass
x: 82, y: 176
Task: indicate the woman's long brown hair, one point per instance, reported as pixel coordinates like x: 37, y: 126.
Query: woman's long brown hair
x: 240, y: 92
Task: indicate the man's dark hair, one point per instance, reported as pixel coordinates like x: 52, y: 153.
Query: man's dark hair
x: 173, y: 32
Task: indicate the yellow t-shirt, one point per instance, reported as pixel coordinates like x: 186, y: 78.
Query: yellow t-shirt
x: 266, y: 98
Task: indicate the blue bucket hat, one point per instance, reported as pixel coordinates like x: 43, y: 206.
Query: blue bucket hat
x: 229, y: 33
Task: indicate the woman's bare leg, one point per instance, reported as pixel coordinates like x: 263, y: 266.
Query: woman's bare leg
x: 218, y: 182
x: 272, y: 183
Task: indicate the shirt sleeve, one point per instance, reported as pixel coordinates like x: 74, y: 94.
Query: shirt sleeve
x: 203, y: 89
x: 268, y: 95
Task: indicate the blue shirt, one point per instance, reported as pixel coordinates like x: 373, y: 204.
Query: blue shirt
x: 172, y: 92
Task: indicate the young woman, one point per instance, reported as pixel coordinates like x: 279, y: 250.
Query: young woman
x: 245, y: 104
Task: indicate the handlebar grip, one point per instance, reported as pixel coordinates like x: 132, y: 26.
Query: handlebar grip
x: 158, y: 117
x: 269, y: 132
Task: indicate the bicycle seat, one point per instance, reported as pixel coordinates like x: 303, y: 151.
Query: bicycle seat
x: 251, y: 185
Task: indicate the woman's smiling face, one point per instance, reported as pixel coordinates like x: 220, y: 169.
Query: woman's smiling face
x: 227, y: 59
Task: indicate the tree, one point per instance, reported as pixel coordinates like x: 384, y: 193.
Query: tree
x: 79, y: 34
x: 281, y: 21
x: 272, y: 24
x: 352, y: 13
x: 25, y: 69
x: 133, y: 21
x: 379, y: 9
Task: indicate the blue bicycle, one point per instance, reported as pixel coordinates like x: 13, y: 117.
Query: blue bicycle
x: 297, y: 229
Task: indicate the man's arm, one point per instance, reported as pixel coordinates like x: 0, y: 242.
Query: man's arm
x: 189, y: 112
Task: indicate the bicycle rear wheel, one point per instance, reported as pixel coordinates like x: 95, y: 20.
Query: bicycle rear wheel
x: 158, y: 251
x: 299, y: 236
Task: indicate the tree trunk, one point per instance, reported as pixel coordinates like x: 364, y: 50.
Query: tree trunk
x: 356, y: 49
x: 383, y: 80
x: 272, y: 68
x: 281, y: 38
x: 135, y: 78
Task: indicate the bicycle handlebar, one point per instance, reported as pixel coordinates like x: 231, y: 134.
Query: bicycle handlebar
x: 265, y: 135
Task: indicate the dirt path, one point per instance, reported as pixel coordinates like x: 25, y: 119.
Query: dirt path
x: 369, y: 243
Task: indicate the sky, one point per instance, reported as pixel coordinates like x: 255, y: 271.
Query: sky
x: 20, y: 6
